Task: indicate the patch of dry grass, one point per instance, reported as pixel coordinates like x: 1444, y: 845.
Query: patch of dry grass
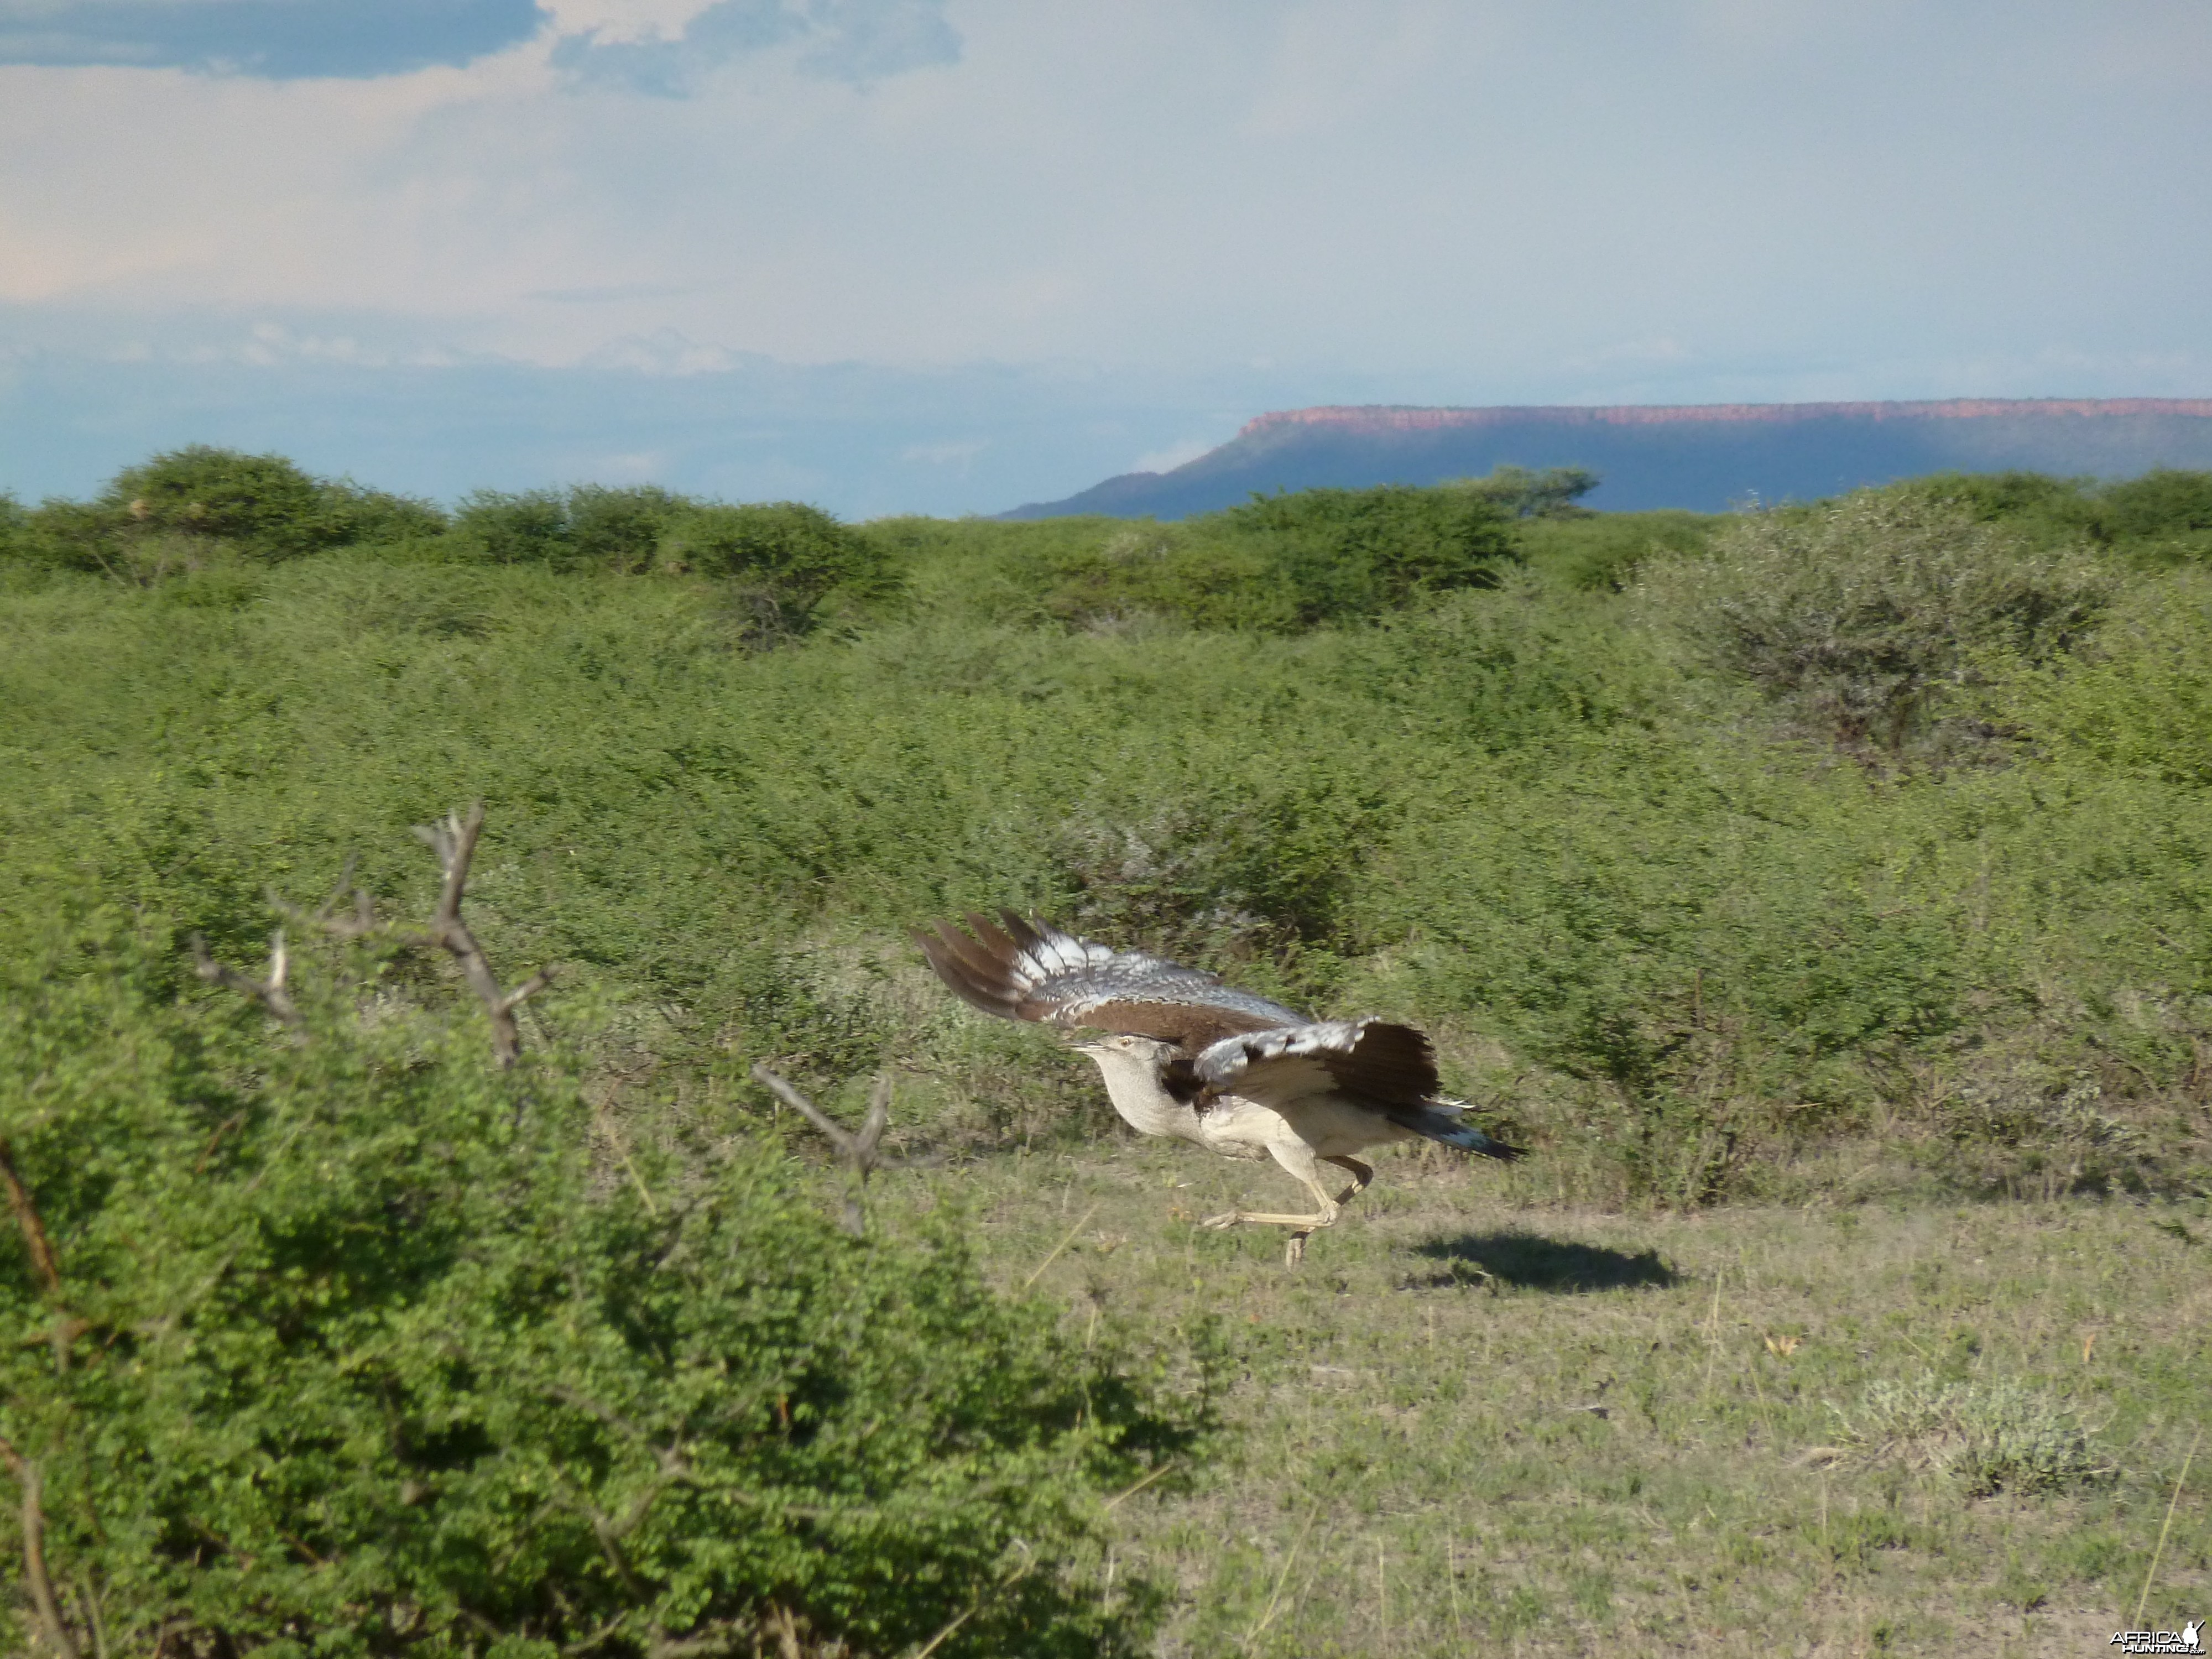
x: 1478, y: 1422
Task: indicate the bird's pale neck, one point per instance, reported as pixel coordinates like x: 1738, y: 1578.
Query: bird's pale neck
x: 1133, y: 1084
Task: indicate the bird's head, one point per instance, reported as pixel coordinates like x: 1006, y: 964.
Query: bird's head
x: 1120, y: 1045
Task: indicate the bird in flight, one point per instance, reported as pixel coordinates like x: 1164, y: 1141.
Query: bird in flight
x: 1183, y: 1054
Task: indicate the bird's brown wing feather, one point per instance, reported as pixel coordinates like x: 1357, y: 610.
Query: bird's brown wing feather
x: 1370, y: 1059
x: 1017, y: 969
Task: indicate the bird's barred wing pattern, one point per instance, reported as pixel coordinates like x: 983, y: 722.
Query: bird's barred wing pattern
x: 1370, y: 1059
x: 1021, y: 970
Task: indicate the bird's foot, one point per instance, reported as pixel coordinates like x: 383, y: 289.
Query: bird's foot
x: 1222, y: 1221
x: 1295, y: 1250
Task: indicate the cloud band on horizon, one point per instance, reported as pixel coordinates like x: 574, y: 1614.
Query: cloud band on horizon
x: 269, y: 39
x: 851, y: 40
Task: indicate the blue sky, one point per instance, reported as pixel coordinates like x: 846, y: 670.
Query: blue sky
x: 947, y: 257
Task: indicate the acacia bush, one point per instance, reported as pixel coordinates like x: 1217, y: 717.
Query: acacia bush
x: 2162, y: 517
x: 1603, y: 552
x: 1524, y: 493
x: 182, y: 511
x: 1153, y: 571
x: 1281, y: 564
x: 335, y: 1339
x: 2166, y: 513
x: 1348, y: 554
x: 14, y: 524
x: 583, y: 527
x: 2137, y: 699
x: 783, y: 560
x: 1861, y: 614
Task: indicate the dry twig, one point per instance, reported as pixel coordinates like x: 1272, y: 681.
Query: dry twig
x: 859, y: 1151
x: 326, y: 919
x: 454, y: 841
x: 34, y: 1525
x: 26, y: 1218
x: 269, y: 993
x: 66, y: 1328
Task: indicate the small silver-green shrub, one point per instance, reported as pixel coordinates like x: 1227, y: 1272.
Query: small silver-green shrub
x: 1990, y: 1437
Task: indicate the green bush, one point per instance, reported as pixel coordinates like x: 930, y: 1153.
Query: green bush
x: 263, y: 504
x: 1861, y: 614
x: 1603, y: 551
x: 1349, y: 555
x: 1281, y: 565
x: 341, y: 1341
x: 585, y: 527
x: 531, y: 528
x: 358, y: 517
x: 621, y: 529
x: 1522, y: 494
x: 2138, y: 698
x: 2164, y: 515
x: 783, y: 560
x: 2046, y: 511
x: 2165, y: 512
x: 192, y: 509
x: 1160, y: 571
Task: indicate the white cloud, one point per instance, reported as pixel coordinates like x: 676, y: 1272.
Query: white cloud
x: 665, y: 351
x: 858, y: 41
x: 960, y: 454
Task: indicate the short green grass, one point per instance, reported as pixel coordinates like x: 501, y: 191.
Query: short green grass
x: 1476, y: 1422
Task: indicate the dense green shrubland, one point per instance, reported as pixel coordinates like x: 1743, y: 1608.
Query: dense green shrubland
x: 340, y: 1343
x: 1704, y: 845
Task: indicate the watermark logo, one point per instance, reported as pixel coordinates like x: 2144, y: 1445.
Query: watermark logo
x: 2190, y: 1639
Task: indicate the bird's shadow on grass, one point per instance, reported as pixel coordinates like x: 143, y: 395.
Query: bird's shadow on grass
x: 1534, y: 1262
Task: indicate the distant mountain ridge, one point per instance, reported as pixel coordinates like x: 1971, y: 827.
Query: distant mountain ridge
x: 1703, y: 456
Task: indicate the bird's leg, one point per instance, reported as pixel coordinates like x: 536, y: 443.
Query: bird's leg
x: 1324, y: 1216
x: 1319, y: 1217
x: 1294, y: 1250
x: 1361, y: 1174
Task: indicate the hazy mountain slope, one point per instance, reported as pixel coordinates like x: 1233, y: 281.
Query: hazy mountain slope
x: 1702, y: 457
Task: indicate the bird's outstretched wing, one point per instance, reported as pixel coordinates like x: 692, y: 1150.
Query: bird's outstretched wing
x: 1022, y: 969
x: 1390, y: 1068
x: 1370, y: 1059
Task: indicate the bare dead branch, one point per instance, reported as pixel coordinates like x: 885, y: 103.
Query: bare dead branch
x: 26, y: 1218
x: 602, y: 1529
x: 454, y: 841
x: 34, y: 1550
x: 235, y: 1121
x: 66, y: 1327
x: 529, y: 988
x: 325, y: 918
x: 859, y: 1151
x: 269, y: 993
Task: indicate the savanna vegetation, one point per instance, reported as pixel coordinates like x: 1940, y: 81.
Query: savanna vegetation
x: 1821, y: 893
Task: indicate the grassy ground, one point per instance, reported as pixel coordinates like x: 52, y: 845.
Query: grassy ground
x: 1473, y: 1421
